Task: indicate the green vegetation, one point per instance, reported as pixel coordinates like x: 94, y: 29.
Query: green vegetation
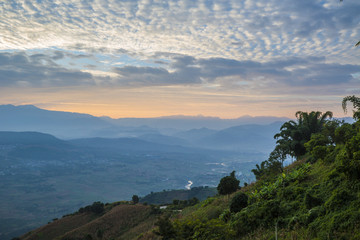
x: 316, y: 197
x: 135, y: 199
x: 238, y: 202
x: 228, y: 184
x: 96, y: 207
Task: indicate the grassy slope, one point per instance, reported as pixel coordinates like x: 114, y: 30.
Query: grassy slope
x: 59, y: 227
x: 122, y: 221
x: 333, y: 211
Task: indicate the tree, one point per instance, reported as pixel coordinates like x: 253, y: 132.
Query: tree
x: 293, y: 135
x: 356, y: 104
x: 228, y: 184
x: 260, y: 170
x: 135, y: 199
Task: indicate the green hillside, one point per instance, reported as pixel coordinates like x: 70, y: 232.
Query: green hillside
x: 315, y: 197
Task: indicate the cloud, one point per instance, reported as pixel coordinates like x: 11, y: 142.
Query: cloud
x: 235, y: 51
x: 229, y: 73
x: 38, y: 70
x: 183, y: 74
x: 50, y: 69
x: 233, y: 29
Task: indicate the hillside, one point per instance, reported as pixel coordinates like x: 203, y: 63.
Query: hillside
x: 315, y: 197
x: 118, y: 220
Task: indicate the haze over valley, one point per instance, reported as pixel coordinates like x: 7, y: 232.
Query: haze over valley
x: 54, y: 162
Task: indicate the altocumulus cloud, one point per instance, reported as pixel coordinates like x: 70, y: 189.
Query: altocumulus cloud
x: 257, y: 30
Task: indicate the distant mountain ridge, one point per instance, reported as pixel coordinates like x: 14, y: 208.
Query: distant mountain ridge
x: 69, y: 125
x: 60, y: 124
x: 190, y: 122
x: 33, y: 138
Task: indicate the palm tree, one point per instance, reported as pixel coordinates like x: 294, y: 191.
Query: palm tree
x: 293, y: 135
x: 356, y: 104
x: 312, y: 122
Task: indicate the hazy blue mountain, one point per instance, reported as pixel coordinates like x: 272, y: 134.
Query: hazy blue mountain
x: 29, y: 138
x: 243, y: 138
x: 163, y: 139
x: 194, y: 135
x: 131, y: 145
x: 36, y: 146
x: 60, y: 124
x: 67, y: 125
x: 193, y: 122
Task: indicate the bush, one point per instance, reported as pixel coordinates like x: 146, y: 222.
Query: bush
x: 238, y: 202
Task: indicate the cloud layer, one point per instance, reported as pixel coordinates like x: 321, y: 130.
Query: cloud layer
x: 234, y: 29
x: 217, y: 52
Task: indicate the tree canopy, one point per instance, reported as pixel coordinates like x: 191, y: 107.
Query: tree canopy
x: 228, y: 184
x: 291, y: 140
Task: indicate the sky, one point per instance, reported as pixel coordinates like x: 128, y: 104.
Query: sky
x: 151, y: 58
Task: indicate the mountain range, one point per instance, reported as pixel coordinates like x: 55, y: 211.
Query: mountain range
x: 68, y: 125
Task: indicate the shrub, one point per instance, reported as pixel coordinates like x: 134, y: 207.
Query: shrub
x: 238, y: 202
